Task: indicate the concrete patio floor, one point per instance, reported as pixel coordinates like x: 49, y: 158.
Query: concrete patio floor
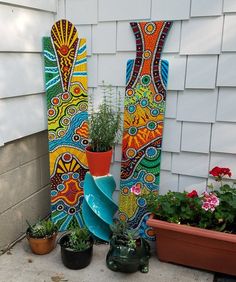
x: 20, y: 265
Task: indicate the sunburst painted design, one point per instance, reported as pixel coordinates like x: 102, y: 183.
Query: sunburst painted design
x: 65, y: 39
x: 67, y: 105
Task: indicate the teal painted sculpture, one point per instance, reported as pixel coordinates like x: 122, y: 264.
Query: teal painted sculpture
x: 98, y: 207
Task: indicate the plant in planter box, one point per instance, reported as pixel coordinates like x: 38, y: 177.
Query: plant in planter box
x: 42, y: 236
x: 128, y: 252
x: 196, y: 230
x: 76, y: 248
x: 104, y: 128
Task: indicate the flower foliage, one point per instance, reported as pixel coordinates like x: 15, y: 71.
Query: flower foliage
x: 213, y: 209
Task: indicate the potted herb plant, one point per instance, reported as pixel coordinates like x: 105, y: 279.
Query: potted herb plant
x: 42, y: 236
x: 76, y: 248
x: 104, y: 129
x: 128, y: 252
x: 196, y: 230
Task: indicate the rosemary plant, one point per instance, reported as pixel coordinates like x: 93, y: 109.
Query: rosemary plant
x: 105, y: 123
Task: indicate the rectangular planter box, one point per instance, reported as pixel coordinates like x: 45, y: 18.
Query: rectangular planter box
x: 195, y: 247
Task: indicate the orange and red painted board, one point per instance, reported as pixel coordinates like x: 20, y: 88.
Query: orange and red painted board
x: 146, y: 80
x: 65, y: 62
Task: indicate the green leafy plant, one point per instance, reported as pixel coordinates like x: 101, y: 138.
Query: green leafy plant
x: 213, y: 209
x: 105, y: 124
x: 79, y: 239
x: 122, y: 235
x: 43, y: 228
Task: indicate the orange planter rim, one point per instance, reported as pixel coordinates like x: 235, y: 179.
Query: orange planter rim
x: 197, y: 231
x: 88, y: 149
x: 42, y: 238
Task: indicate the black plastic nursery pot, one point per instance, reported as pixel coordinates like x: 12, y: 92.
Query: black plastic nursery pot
x: 75, y: 259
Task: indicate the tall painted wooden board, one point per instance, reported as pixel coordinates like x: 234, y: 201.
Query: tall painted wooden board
x: 67, y: 103
x: 146, y: 80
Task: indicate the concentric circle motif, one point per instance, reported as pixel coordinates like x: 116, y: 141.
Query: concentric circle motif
x: 65, y: 121
x: 60, y: 207
x: 151, y: 152
x: 149, y: 177
x: 64, y: 49
x: 67, y: 157
x: 83, y: 107
x: 76, y: 138
x: 129, y: 92
x: 133, y: 130
x: 65, y: 176
x: 51, y: 112
x: 150, y: 232
x: 75, y: 175
x: 146, y: 79
x: 61, y: 132
x: 144, y: 102
x: 151, y: 125
x: 125, y: 191
x: 122, y: 217
x: 55, y: 101
x: 77, y: 90
x: 71, y: 210
x: 71, y: 110
x: 154, y: 112
x: 60, y: 187
x: 53, y: 193
x: 85, y: 142
x: 147, y: 54
x: 131, y: 109
x: 141, y: 202
x: 131, y: 153
x: 65, y: 96
x: 150, y: 28
x: 51, y: 136
x: 158, y: 98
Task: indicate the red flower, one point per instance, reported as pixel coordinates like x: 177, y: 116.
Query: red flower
x: 226, y: 171
x: 192, y: 194
x: 215, y: 171
x: 220, y: 172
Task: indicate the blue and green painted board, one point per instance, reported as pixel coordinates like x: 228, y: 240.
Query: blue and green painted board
x: 143, y: 123
x: 65, y: 62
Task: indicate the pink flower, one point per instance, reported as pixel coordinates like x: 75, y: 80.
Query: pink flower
x: 136, y: 189
x: 210, y: 201
x: 206, y: 206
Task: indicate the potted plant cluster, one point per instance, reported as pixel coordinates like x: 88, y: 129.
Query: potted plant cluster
x: 76, y: 248
x: 42, y: 236
x: 104, y: 129
x: 128, y: 252
x: 196, y: 230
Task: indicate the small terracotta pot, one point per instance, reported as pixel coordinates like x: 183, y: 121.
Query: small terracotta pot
x: 195, y: 247
x: 98, y: 162
x: 42, y: 246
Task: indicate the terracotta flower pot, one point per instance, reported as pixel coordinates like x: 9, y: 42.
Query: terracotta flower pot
x: 99, y: 162
x: 42, y: 246
x: 195, y: 247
